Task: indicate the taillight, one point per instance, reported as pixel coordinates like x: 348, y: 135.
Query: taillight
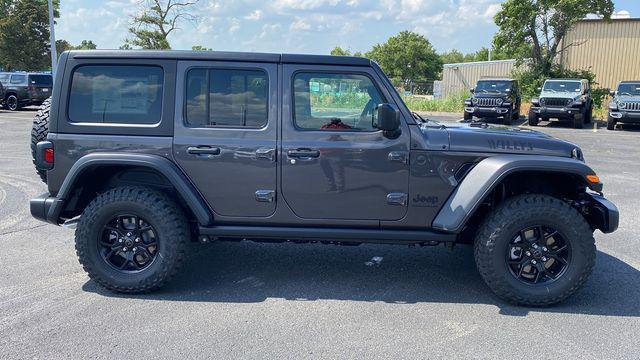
x: 48, y: 155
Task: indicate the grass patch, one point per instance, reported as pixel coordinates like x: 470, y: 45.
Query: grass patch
x: 454, y: 103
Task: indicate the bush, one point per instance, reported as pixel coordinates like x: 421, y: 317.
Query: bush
x: 453, y: 103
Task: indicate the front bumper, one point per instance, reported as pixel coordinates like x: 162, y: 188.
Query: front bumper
x: 556, y: 112
x: 626, y: 116
x: 45, y: 208
x: 602, y: 214
x: 487, y: 111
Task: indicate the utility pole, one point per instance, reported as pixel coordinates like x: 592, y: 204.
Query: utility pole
x: 52, y: 39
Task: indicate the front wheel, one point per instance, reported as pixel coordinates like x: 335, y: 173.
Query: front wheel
x: 132, y: 239
x: 467, y: 116
x: 533, y: 118
x: 578, y: 121
x: 535, y: 250
x: 611, y: 123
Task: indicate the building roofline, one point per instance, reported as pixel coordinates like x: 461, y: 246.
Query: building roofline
x: 612, y: 19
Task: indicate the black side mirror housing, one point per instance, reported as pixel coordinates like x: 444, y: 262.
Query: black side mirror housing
x: 612, y: 93
x: 388, y: 119
x: 473, y: 90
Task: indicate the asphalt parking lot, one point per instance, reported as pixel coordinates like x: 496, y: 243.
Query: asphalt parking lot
x: 249, y: 300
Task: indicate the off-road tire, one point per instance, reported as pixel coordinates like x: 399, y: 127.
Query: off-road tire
x: 533, y: 119
x: 589, y: 115
x: 39, y: 131
x: 467, y: 117
x: 578, y: 121
x: 611, y: 123
x: 15, y: 103
x: 167, y: 218
x: 506, y: 120
x: 517, y: 213
x: 516, y: 116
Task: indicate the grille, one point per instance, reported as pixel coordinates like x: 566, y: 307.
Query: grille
x: 630, y: 106
x: 488, y: 101
x: 555, y: 102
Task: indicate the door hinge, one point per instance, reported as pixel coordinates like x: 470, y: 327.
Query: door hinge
x: 397, y: 199
x: 399, y: 156
x: 265, y: 195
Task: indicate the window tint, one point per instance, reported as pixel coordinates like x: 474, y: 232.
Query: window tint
x: 335, y: 101
x: 18, y: 79
x: 41, y: 80
x: 219, y: 97
x: 116, y: 94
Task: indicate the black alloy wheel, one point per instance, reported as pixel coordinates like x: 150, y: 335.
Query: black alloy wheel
x: 128, y: 243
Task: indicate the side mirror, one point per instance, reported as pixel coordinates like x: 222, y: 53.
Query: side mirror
x: 388, y: 119
x: 612, y: 93
x: 472, y: 90
x: 538, y: 89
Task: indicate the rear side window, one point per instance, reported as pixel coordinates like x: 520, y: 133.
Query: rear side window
x: 226, y: 98
x: 116, y: 94
x: 18, y: 79
x: 41, y: 80
x: 4, y: 78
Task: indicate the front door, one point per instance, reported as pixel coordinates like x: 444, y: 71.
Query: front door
x: 226, y: 133
x: 335, y: 163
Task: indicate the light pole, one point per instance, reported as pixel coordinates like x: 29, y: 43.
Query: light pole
x: 52, y: 39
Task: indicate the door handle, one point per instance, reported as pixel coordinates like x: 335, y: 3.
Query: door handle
x: 303, y: 153
x: 202, y: 150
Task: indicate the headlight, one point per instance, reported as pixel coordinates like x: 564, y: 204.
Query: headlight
x: 499, y: 102
x: 542, y: 101
x: 613, y: 105
x: 474, y: 101
x: 535, y: 101
x: 622, y: 105
x: 570, y: 101
x: 467, y: 102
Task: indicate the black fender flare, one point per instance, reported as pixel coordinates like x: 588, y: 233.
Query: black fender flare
x: 164, y: 166
x: 488, y: 173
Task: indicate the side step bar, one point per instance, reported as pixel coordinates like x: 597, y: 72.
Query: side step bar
x: 329, y: 234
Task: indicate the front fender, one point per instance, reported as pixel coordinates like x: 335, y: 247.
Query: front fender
x: 158, y: 163
x: 488, y: 173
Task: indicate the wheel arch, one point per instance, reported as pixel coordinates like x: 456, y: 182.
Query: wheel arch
x: 106, y: 170
x: 487, y: 176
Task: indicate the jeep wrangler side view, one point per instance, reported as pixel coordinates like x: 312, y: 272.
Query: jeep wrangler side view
x: 563, y: 99
x: 146, y: 151
x: 625, y: 105
x: 494, y: 98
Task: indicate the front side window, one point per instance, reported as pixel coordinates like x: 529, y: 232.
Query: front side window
x: 227, y: 98
x: 325, y: 101
x: 18, y: 79
x: 116, y: 94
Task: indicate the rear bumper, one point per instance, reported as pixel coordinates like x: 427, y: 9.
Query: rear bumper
x: 625, y: 116
x: 553, y: 112
x: 45, y: 208
x: 603, y: 214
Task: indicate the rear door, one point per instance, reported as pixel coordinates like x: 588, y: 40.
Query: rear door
x: 226, y: 134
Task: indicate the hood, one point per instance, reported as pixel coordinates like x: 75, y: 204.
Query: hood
x: 491, y: 95
x: 507, y: 140
x: 560, y: 95
x: 627, y: 98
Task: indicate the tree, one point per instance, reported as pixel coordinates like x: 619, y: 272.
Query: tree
x: 157, y: 19
x: 338, y: 51
x: 24, y: 34
x: 408, y: 57
x: 534, y: 29
x: 86, y: 45
x: 200, y: 48
x: 452, y: 57
x: 63, y: 45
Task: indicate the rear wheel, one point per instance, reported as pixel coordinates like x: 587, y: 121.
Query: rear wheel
x: 12, y: 103
x: 39, y: 131
x: 535, y: 250
x: 611, y: 123
x: 132, y: 239
x: 533, y: 118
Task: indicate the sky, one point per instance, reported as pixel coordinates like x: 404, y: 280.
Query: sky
x: 299, y: 26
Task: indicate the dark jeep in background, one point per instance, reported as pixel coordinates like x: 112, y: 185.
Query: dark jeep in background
x: 494, y: 98
x: 625, y: 105
x: 146, y: 151
x: 25, y: 89
x: 565, y: 100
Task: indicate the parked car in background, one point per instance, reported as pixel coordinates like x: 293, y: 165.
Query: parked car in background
x: 24, y: 89
x: 625, y: 105
x: 494, y: 98
x: 563, y: 99
x: 1, y: 91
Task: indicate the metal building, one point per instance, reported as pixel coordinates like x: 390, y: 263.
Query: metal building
x: 463, y: 76
x: 610, y: 48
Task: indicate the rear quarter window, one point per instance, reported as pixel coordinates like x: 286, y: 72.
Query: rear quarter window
x: 119, y: 94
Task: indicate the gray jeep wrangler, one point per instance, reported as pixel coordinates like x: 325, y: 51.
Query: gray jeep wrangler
x: 625, y: 105
x: 145, y: 152
x: 565, y: 100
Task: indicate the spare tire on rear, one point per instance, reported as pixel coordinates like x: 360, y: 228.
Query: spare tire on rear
x: 39, y: 132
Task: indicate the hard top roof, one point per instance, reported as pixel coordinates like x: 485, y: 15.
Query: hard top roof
x: 496, y: 79
x: 221, y: 56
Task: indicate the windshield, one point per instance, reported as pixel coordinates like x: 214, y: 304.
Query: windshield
x: 42, y: 80
x: 630, y: 89
x: 562, y: 86
x: 495, y: 86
